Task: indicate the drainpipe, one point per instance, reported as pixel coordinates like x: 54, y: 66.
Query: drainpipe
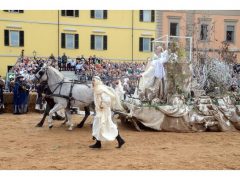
x: 58, y: 33
x: 132, y: 34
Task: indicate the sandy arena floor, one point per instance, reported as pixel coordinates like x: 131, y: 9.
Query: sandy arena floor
x: 24, y: 146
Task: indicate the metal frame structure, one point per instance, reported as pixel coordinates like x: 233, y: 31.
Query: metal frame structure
x: 166, y: 39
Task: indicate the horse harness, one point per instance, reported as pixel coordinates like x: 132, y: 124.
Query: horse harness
x: 70, y: 97
x: 60, y: 84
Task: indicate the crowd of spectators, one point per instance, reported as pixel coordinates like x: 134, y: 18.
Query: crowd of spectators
x: 85, y: 68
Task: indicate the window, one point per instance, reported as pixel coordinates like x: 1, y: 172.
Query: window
x: 69, y: 38
x: 99, y: 14
x: 230, y: 33
x: 98, y: 42
x: 13, y: 38
x: 14, y: 11
x: 204, y: 32
x: 147, y: 15
x: 174, y: 29
x: 70, y: 13
x: 70, y: 41
x: 145, y: 44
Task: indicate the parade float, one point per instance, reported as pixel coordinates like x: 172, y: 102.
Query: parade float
x: 200, y: 96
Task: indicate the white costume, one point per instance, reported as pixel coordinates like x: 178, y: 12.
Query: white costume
x: 155, y: 70
x: 104, y: 98
x: 119, y: 90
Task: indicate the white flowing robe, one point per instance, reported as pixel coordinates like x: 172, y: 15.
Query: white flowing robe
x: 103, y: 127
x: 155, y: 69
x: 119, y: 90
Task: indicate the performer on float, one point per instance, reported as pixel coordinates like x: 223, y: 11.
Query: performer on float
x: 103, y: 128
x: 152, y: 82
x: 2, y: 85
x: 20, y: 96
x: 119, y: 90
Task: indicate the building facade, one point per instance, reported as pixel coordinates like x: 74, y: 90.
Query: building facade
x: 118, y: 35
x: 208, y: 28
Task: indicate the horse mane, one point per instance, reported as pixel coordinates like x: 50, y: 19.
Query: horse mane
x: 55, y: 71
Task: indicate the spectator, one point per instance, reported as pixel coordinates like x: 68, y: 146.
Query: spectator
x: 73, y: 64
x: 69, y: 60
x: 64, y: 61
x: 2, y: 85
x: 20, y: 96
x: 59, y: 63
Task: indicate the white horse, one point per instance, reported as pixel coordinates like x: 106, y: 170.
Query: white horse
x: 65, y: 92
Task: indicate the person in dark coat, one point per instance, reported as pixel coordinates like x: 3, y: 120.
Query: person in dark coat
x: 2, y: 84
x: 64, y: 62
x: 20, y: 96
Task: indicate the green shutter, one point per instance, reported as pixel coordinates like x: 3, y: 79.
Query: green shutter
x: 76, y: 13
x: 152, y: 16
x: 21, y: 38
x: 104, y: 42
x: 92, y: 40
x: 76, y: 41
x: 105, y: 14
x: 141, y: 15
x: 63, y: 40
x: 6, y: 37
x: 140, y: 44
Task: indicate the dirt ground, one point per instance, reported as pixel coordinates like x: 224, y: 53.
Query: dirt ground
x: 23, y: 146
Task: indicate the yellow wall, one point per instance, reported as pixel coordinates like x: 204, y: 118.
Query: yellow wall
x: 40, y: 27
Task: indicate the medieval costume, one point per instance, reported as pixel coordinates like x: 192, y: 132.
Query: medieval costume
x: 152, y: 82
x: 119, y: 90
x: 20, y: 96
x: 103, y: 128
x: 2, y: 84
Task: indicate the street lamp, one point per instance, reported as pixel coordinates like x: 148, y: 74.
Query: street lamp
x: 34, y: 54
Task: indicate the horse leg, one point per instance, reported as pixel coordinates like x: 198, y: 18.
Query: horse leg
x: 46, y: 112
x: 69, y: 120
x: 87, y: 113
x: 66, y: 119
x: 56, y: 108
x: 40, y: 124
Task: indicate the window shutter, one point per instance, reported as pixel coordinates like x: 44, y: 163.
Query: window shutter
x: 21, y: 11
x: 104, y: 42
x: 152, y: 16
x: 92, y: 13
x: 63, y: 12
x: 151, y: 44
x: 76, y: 41
x: 63, y: 40
x: 6, y: 37
x: 76, y: 13
x: 141, y: 15
x: 140, y: 44
x: 104, y: 14
x: 92, y: 42
x: 21, y: 38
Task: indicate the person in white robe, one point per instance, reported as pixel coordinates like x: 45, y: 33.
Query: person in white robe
x: 103, y: 128
x: 119, y: 90
x: 152, y: 82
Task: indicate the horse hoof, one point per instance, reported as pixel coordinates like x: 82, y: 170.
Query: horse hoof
x: 80, y: 125
x: 39, y: 125
x: 70, y: 129
x: 50, y: 127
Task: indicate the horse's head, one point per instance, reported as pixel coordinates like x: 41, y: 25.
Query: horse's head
x: 40, y: 74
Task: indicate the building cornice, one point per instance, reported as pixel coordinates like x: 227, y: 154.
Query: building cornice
x: 74, y: 24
